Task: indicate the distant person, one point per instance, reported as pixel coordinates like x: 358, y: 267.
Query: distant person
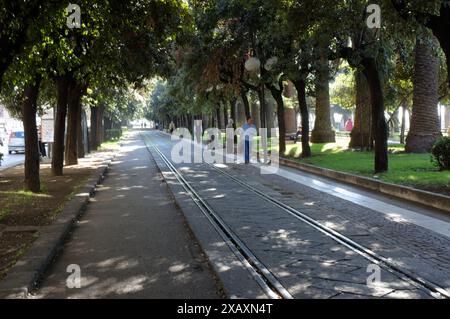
x: 171, y: 127
x: 145, y: 125
x: 349, y: 125
x: 42, y: 149
x: 248, y: 138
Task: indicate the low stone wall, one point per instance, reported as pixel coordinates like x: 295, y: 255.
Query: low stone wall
x: 433, y: 200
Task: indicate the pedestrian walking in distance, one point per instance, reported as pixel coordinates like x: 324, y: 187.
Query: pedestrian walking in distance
x: 171, y: 127
x: 248, y: 136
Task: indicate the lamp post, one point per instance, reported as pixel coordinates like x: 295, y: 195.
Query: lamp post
x: 253, y: 65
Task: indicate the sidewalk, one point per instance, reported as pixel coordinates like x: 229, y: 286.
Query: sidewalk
x: 132, y: 242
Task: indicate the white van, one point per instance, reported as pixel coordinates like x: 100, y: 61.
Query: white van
x: 16, y: 142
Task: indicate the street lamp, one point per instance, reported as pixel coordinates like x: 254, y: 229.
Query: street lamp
x: 252, y: 65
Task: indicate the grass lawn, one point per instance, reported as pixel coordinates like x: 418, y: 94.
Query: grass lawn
x: 112, y: 145
x: 415, y: 170
x: 23, y: 213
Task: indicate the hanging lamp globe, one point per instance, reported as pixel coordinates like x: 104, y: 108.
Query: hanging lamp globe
x: 252, y: 64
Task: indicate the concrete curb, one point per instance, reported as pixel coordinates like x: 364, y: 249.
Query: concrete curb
x: 429, y: 199
x: 28, y: 271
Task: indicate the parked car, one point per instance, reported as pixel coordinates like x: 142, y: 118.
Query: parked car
x: 16, y: 142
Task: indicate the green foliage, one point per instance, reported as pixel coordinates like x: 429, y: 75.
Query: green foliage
x: 441, y: 153
x: 343, y: 90
x: 113, y: 134
x: 119, y: 44
x: 406, y: 169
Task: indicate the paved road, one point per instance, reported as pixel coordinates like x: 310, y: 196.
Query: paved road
x: 132, y: 242
x: 309, y: 264
x: 10, y: 160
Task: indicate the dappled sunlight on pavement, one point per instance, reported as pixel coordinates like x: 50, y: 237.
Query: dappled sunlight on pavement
x: 121, y: 244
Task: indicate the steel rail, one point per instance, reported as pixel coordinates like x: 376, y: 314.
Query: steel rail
x: 433, y: 289
x: 389, y: 265
x: 263, y: 276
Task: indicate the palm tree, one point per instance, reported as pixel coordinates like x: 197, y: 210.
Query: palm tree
x: 361, y: 135
x: 425, y: 126
x: 323, y: 131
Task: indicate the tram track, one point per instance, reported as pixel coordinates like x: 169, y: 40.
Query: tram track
x: 256, y: 266
x: 266, y: 280
x: 433, y: 289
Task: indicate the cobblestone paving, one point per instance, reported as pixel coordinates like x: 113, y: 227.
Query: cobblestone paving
x: 308, y: 263
x: 415, y: 248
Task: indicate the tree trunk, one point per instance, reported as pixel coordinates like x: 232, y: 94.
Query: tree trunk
x: 263, y: 109
x: 100, y: 138
x: 300, y: 86
x: 256, y: 114
x: 62, y: 84
x: 403, y: 127
x: 290, y: 115
x: 94, y: 128
x: 80, y: 134
x: 278, y: 96
x: 29, y: 109
x: 361, y: 135
x: 323, y: 131
x: 233, y: 112
x: 191, y: 124
x: 74, y: 109
x: 246, y: 103
x: 240, y: 114
x: 225, y: 114
x: 218, y: 117
x: 108, y: 124
x: 425, y: 125
x: 380, y: 128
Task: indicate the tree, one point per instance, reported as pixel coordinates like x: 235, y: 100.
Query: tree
x: 22, y: 79
x: 16, y: 17
x: 300, y: 86
x: 323, y: 132
x: 277, y: 93
x: 111, y: 46
x: 62, y: 84
x: 369, y: 55
x: 434, y: 15
x: 361, y: 135
x: 425, y: 125
x: 136, y: 48
x: 29, y: 109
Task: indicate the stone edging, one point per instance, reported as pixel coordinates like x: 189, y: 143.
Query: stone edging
x: 28, y: 271
x: 430, y: 199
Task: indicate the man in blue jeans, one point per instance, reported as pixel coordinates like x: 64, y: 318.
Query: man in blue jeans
x: 248, y: 135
